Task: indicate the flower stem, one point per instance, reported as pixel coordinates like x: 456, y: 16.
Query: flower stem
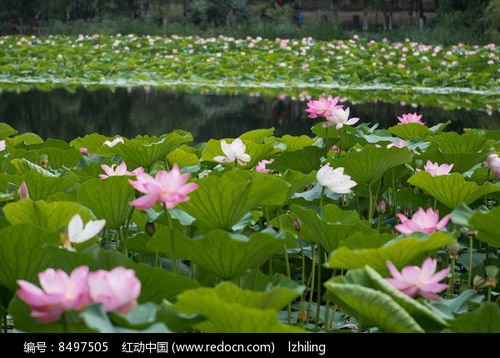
x: 175, y: 267
x: 318, y: 294
x: 64, y: 322
x: 370, y: 202
x: 451, y: 282
x: 469, y: 277
x: 313, y: 270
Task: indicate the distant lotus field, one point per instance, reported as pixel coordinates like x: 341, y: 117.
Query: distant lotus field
x: 352, y: 228
x: 459, y: 76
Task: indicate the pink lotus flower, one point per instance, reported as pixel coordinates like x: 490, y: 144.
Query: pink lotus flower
x: 322, y: 107
x: 22, y: 191
x: 2, y: 145
x: 335, y: 180
x: 234, y: 152
x: 493, y: 161
x: 117, y: 289
x: 422, y: 221
x: 167, y: 187
x: 410, y: 118
x: 415, y: 281
x: 119, y: 171
x: 114, y: 142
x: 60, y: 292
x: 435, y: 169
x: 261, y: 167
x: 86, y: 152
x: 339, y: 117
x: 401, y: 144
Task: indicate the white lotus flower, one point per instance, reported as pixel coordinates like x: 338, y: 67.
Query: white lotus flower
x: 114, y: 142
x: 339, y: 117
x: 335, y: 180
x: 78, y: 233
x: 233, y: 151
x: 2, y: 145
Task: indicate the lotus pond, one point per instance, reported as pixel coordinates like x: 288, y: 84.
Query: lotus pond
x: 245, y: 199
x: 67, y: 114
x: 227, y: 233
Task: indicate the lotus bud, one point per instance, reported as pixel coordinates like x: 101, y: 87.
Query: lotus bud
x: 150, y: 228
x: 23, y: 192
x: 479, y: 282
x: 491, y: 271
x: 297, y: 224
x: 381, y: 207
x: 44, y: 160
x: 453, y: 250
x: 491, y: 276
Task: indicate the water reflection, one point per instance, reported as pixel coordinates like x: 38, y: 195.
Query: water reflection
x: 129, y: 112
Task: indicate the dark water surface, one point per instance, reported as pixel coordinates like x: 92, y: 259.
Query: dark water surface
x: 129, y: 112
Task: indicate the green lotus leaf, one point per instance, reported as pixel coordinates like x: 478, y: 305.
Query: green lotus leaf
x: 50, y: 216
x: 294, y: 143
x: 451, y: 142
x: 372, y: 308
x: 58, y: 158
x: 22, y: 255
x: 487, y: 226
x: 182, y: 158
x: 462, y: 162
x: 329, y: 235
x: 371, y: 163
x: 108, y: 199
x: 369, y: 278
x: 40, y: 186
x: 144, y: 151
x: 26, y: 138
x: 24, y: 166
x: 304, y: 160
x: 409, y: 131
x: 401, y: 252
x: 6, y: 130
x: 220, y: 202
x: 218, y: 252
x: 257, y: 135
x: 229, y: 309
x: 484, y: 320
x: 451, y: 190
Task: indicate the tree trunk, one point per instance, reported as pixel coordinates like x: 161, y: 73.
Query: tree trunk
x: 410, y: 12
x: 365, y: 15
x: 390, y: 15
x: 421, y: 17
x: 335, y: 10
